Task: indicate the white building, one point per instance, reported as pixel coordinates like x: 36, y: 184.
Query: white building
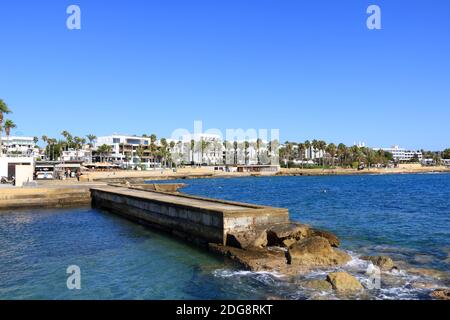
x: 24, y: 146
x: 125, y: 149
x: 401, y: 154
x: 8, y: 165
x: 205, y: 149
x: 76, y: 155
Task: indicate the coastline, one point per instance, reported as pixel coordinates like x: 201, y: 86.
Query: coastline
x: 208, y: 172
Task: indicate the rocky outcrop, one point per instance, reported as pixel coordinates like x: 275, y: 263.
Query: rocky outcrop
x: 258, y: 259
x: 247, y: 239
x: 344, y: 282
x: 315, y: 251
x: 443, y: 294
x: 383, y: 262
x: 285, y: 234
x: 332, y: 239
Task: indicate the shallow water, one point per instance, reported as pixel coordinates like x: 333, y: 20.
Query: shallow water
x: 404, y: 216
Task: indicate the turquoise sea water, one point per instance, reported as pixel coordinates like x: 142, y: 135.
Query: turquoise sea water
x: 404, y: 216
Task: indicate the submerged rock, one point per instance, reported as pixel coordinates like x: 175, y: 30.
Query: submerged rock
x: 332, y: 239
x: 432, y: 273
x: 385, y: 263
x: 443, y: 294
x: 283, y: 231
x: 342, y: 281
x: 315, y: 251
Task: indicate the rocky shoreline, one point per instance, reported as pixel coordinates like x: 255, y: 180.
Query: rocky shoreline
x: 294, y: 249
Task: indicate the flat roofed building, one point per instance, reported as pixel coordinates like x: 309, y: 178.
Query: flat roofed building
x: 401, y: 154
x: 17, y: 145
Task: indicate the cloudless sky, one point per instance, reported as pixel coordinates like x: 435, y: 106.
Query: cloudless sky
x: 309, y: 68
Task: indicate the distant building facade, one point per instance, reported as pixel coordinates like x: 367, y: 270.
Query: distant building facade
x: 20, y: 146
x: 401, y: 154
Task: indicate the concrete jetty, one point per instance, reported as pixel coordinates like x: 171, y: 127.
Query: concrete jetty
x: 197, y: 219
x: 44, y: 197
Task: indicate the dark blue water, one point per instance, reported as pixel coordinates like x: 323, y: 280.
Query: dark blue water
x: 404, y: 216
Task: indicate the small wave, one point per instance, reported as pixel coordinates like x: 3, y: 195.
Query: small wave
x: 227, y: 273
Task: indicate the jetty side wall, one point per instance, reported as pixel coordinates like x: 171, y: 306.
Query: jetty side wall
x: 195, y: 224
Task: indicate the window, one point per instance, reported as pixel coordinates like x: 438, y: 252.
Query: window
x: 116, y: 140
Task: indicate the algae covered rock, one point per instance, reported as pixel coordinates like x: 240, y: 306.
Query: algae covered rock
x: 342, y: 281
x: 315, y: 251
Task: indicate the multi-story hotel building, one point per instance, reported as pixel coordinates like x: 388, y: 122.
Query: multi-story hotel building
x: 401, y: 154
x: 125, y: 149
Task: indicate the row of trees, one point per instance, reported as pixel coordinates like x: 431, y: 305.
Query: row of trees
x: 54, y: 147
x: 330, y: 154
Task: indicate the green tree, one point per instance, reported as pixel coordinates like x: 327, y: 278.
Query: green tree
x: 153, y: 148
x: 331, y: 149
x: 4, y: 109
x: 91, y: 138
x: 9, y: 124
x: 103, y: 151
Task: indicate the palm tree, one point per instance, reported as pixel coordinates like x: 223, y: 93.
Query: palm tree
x: 192, y: 147
x: 341, y: 151
x: 153, y: 148
x: 9, y: 124
x: 322, y: 146
x: 163, y: 151
x: 204, y: 145
x: 4, y: 109
x: 91, y: 139
x: 331, y: 150
x: 301, y: 151
x: 35, y: 139
x: 172, y: 145
x: 258, y: 148
x: 307, y: 146
x: 104, y: 149
x: 235, y: 147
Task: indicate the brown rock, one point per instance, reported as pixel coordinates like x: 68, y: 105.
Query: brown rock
x: 332, y: 239
x: 288, y: 242
x: 443, y: 294
x: 247, y: 239
x: 315, y: 251
x: 383, y: 262
x: 279, y: 232
x: 259, y: 259
x: 316, y: 284
x: 342, y: 281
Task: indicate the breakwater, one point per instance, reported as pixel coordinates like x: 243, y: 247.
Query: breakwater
x: 197, y: 219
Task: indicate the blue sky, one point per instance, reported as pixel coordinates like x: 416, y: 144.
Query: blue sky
x: 310, y: 68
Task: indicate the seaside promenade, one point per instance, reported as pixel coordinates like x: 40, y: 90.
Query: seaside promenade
x: 209, y: 172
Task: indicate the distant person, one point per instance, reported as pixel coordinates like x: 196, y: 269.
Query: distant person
x: 78, y: 174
